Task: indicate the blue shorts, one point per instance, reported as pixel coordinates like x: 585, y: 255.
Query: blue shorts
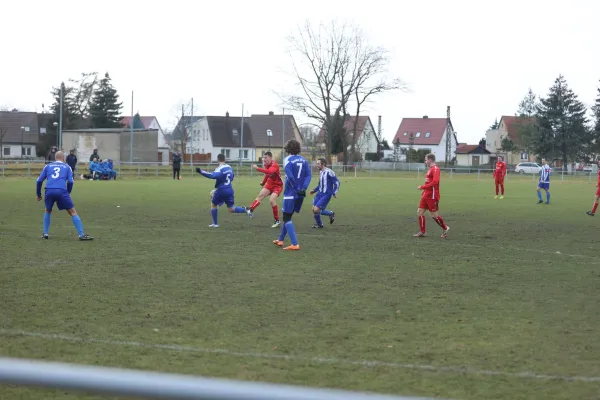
x: 321, y: 200
x: 223, y: 196
x: 292, y: 204
x: 61, y: 197
x: 544, y: 185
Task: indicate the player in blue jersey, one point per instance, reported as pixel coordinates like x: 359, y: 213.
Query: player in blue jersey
x: 544, y: 182
x: 328, y: 186
x: 59, y: 183
x: 223, y: 193
x: 297, y: 179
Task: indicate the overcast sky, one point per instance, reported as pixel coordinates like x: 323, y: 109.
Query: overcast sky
x: 479, y: 57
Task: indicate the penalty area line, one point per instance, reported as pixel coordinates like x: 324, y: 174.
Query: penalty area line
x: 463, y: 370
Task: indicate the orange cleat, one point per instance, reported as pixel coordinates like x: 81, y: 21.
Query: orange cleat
x: 292, y: 247
x: 278, y: 242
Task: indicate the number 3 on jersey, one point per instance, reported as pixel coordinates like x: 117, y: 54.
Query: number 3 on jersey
x: 56, y: 173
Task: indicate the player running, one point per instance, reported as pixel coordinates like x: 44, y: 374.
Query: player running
x: 596, y: 196
x: 272, y: 186
x: 328, y: 186
x: 297, y: 179
x: 223, y: 192
x: 59, y: 184
x: 430, y: 198
x: 544, y: 182
x: 499, y: 174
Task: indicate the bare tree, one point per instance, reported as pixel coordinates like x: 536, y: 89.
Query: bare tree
x: 182, y: 133
x: 4, y: 108
x: 83, y: 91
x: 336, y: 70
x: 3, y: 132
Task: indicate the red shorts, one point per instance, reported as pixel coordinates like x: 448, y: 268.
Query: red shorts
x: 500, y: 181
x: 429, y: 204
x: 598, y: 192
x: 277, y: 189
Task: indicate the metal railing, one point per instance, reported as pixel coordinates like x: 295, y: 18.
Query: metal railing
x: 139, y: 170
x: 155, y: 385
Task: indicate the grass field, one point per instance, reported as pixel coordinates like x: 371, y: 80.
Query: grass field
x: 507, y: 307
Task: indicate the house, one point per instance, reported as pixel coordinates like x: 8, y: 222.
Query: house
x: 282, y: 128
x: 508, y: 127
x: 366, y: 139
x: 426, y: 134
x: 214, y: 135
x: 472, y: 155
x: 19, y: 134
x: 150, y: 122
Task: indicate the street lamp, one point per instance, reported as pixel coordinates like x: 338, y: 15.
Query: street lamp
x: 269, y: 135
x: 22, y: 135
x: 55, y: 124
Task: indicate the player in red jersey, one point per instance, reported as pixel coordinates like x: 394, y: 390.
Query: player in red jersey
x: 272, y: 186
x: 499, y: 174
x: 431, y: 197
x: 596, y: 196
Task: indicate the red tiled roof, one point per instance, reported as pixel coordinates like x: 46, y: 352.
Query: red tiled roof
x: 512, y: 125
x: 349, y: 125
x: 146, y: 121
x: 419, y: 127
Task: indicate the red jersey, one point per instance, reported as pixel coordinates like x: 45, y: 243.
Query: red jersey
x: 431, y: 188
x: 598, y: 177
x: 272, y: 174
x: 500, y: 171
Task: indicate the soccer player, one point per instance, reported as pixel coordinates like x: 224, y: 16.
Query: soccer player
x: 223, y: 193
x: 544, y: 182
x: 272, y: 186
x: 297, y: 179
x: 596, y: 196
x: 59, y: 183
x: 430, y: 198
x: 328, y: 186
x: 499, y: 174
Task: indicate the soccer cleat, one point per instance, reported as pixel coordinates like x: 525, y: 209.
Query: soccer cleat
x: 501, y: 197
x: 292, y: 247
x: 591, y: 214
x: 332, y: 218
x: 547, y: 202
x: 496, y: 196
x: 213, y: 226
x: 86, y: 237
x: 540, y: 201
x: 249, y: 212
x: 278, y: 242
x: 419, y: 234
x: 45, y: 236
x: 445, y: 233
x: 317, y: 226
x: 276, y: 224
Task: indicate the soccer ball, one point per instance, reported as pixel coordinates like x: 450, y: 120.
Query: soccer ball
x: 212, y: 193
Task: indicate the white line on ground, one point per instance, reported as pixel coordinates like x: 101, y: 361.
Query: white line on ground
x: 319, y: 360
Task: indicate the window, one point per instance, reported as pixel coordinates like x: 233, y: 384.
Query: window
x: 418, y: 134
x: 427, y: 134
x: 235, y: 131
x: 26, y: 151
x: 405, y: 133
x: 225, y: 152
x: 524, y: 156
x: 243, y: 154
x: 6, y: 151
x: 202, y: 151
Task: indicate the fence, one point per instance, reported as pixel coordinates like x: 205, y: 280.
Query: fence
x: 154, y: 385
x: 139, y: 170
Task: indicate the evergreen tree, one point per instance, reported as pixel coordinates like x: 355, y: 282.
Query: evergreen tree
x: 596, y: 110
x: 561, y: 122
x: 69, y: 111
x: 526, y: 117
x: 105, y: 109
x: 528, y: 106
x: 594, y: 148
x: 495, y: 125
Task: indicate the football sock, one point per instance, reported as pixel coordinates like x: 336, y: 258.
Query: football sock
x: 502, y: 189
x: 318, y: 219
x: 594, y: 207
x: 239, y: 210
x: 215, y: 214
x: 326, y: 212
x: 291, y: 232
x: 46, y: 222
x: 422, y: 223
x: 276, y: 213
x: 283, y: 233
x: 254, y: 204
x: 440, y: 222
x: 539, y: 195
x: 78, y: 224
x: 547, y: 197
x: 496, y: 190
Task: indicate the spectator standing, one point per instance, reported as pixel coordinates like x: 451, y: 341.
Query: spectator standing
x: 176, y: 165
x: 72, y: 160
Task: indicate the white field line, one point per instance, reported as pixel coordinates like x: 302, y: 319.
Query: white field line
x: 317, y: 360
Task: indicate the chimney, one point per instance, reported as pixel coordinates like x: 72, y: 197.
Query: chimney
x: 227, y: 114
x: 271, y: 113
x: 425, y: 117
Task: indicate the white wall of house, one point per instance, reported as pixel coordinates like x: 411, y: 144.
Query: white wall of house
x: 493, y: 141
x: 201, y: 141
x: 235, y: 153
x: 14, y: 150
x: 367, y: 142
x: 469, y: 160
x: 162, y: 142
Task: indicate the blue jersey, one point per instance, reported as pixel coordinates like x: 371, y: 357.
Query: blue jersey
x: 328, y: 182
x: 57, y: 175
x: 297, y: 174
x: 545, y: 174
x: 223, y: 175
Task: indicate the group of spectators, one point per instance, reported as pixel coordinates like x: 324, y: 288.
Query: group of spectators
x: 98, y: 168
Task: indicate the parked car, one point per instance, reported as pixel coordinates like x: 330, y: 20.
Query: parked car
x: 528, y: 168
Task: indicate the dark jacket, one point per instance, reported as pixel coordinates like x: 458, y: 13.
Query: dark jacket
x: 95, y: 155
x: 72, y: 161
x: 52, y: 155
x: 176, y: 161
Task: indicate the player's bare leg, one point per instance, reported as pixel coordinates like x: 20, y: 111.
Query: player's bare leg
x: 261, y: 196
x: 273, y: 202
x: 438, y: 220
x: 594, y: 207
x: 317, y: 215
x: 78, y: 225
x: 421, y: 217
